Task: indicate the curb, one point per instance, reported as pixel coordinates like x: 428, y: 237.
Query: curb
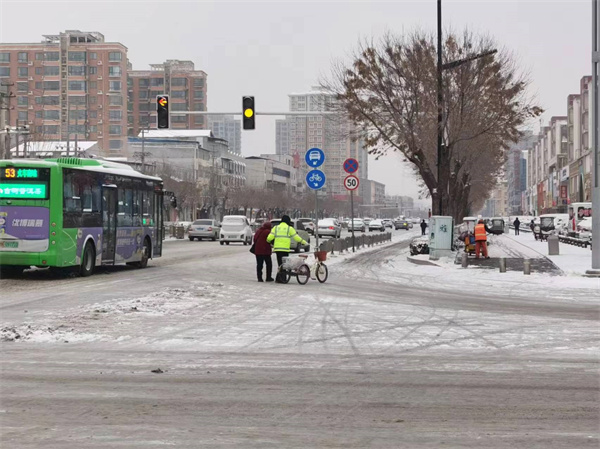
x: 416, y: 261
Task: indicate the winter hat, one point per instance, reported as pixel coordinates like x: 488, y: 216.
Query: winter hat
x: 287, y: 220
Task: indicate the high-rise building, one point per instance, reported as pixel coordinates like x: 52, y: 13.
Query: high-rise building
x: 228, y: 128
x: 297, y: 134
x: 70, y: 86
x: 185, y: 86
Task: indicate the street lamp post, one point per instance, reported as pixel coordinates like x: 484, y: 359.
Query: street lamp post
x: 595, y: 134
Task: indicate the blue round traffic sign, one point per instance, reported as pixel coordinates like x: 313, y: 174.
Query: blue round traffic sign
x: 314, y: 157
x: 350, y: 165
x: 315, y: 179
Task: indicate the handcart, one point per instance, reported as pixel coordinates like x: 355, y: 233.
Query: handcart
x: 297, y: 266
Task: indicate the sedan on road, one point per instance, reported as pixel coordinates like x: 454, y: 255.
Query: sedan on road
x: 204, y: 229
x: 387, y: 222
x: 235, y: 228
x: 308, y: 224
x: 329, y: 227
x: 357, y: 225
x: 376, y: 225
x: 402, y: 224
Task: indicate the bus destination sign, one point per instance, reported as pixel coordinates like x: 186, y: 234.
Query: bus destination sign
x: 23, y: 191
x: 19, y: 173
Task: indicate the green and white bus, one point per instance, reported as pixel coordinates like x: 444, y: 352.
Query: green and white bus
x: 82, y: 213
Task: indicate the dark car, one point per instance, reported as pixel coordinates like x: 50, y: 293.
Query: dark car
x: 402, y: 224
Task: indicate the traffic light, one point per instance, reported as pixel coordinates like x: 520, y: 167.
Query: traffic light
x: 162, y: 111
x: 248, y: 112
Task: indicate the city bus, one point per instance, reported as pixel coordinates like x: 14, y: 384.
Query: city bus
x: 80, y: 213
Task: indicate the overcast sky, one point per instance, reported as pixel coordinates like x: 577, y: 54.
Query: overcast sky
x: 271, y: 49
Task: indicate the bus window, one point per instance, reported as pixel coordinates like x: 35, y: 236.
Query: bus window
x: 137, y: 208
x: 124, y: 214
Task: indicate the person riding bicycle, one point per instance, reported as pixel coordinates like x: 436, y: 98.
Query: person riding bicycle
x: 281, y: 236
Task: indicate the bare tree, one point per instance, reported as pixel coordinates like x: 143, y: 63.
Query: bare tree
x: 390, y: 92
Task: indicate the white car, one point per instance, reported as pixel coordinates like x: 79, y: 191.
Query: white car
x: 235, y: 228
x: 376, y: 225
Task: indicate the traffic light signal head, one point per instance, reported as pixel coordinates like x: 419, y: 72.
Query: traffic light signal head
x: 162, y: 111
x: 248, y: 112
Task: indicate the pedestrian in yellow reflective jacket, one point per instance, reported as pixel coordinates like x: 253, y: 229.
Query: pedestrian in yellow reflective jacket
x: 281, y: 236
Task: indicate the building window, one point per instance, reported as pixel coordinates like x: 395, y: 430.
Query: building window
x: 22, y: 116
x: 39, y: 56
x: 115, y: 115
x: 143, y: 94
x: 22, y: 86
x: 79, y: 129
x: 114, y: 56
x: 178, y: 94
x: 179, y: 107
x: 198, y: 106
x: 22, y: 57
x: 52, y: 70
x: 115, y: 100
x: 51, y: 115
x: 51, y: 56
x: 157, y: 82
x: 93, y: 70
x: 115, y: 130
x: 76, y: 100
x: 93, y: 55
x: 179, y: 119
x: 198, y: 82
x: 4, y: 57
x: 198, y: 120
x: 93, y: 114
x: 115, y: 85
x: 48, y: 101
x: 77, y: 70
x: 77, y: 114
x: 76, y: 85
x: 114, y: 71
x: 77, y: 56
x: 4, y: 72
x: 39, y: 70
x: 93, y: 99
x: 143, y: 82
x: 22, y: 72
x: 22, y: 101
x: 93, y: 85
x: 178, y: 82
x: 50, y: 129
x: 115, y: 144
x: 199, y: 94
x: 51, y: 85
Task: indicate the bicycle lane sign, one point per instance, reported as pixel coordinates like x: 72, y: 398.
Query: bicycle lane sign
x: 315, y: 179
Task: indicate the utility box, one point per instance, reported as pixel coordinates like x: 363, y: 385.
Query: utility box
x: 179, y: 232
x: 441, y: 236
x: 553, y: 245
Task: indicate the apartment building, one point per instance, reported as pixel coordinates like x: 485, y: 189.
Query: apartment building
x: 297, y: 134
x: 70, y: 86
x: 580, y: 158
x: 185, y: 86
x: 270, y: 171
x: 228, y: 128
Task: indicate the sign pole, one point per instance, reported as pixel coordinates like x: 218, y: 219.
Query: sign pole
x: 317, y: 219
x: 352, y: 216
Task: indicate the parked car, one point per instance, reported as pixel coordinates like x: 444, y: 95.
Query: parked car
x: 204, y: 229
x: 376, y: 225
x: 387, y: 223
x: 302, y: 232
x: 235, y: 228
x: 402, y: 224
x: 329, y: 227
x: 308, y: 224
x: 367, y: 220
x: 357, y: 225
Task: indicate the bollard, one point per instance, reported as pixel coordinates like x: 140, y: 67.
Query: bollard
x: 465, y: 260
x: 502, y: 265
x: 526, y: 266
x: 552, y: 245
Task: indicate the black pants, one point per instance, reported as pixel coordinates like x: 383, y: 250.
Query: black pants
x: 266, y: 260
x: 280, y: 255
x: 516, y: 231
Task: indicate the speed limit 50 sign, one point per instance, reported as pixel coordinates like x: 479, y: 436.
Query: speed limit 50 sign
x: 351, y: 182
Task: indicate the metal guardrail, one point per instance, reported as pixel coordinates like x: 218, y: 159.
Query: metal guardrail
x: 345, y: 244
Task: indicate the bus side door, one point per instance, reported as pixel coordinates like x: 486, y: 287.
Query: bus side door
x: 109, y: 223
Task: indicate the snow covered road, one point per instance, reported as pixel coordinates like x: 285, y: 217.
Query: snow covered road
x: 193, y: 352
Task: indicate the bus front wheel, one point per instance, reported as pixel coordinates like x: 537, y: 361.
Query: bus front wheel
x: 143, y: 263
x: 87, y: 260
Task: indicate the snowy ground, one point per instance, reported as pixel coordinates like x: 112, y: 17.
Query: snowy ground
x: 193, y: 352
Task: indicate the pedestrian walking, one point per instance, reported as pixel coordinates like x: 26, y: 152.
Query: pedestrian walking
x: 517, y: 225
x: 423, y: 226
x: 281, y: 236
x: 481, y: 231
x: 262, y: 251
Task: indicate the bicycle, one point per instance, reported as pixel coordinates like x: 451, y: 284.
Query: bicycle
x: 315, y: 177
x: 302, y: 271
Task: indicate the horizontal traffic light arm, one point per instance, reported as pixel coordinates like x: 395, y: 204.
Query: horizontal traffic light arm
x: 255, y: 113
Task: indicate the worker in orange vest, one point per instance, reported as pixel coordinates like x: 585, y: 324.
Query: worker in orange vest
x: 481, y: 231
